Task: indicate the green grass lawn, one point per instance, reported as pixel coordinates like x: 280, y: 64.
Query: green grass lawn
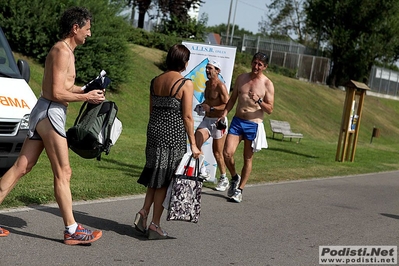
x: 311, y: 109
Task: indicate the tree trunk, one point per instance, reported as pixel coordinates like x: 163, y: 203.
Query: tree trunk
x: 132, y: 14
x: 140, y: 23
x: 143, y: 7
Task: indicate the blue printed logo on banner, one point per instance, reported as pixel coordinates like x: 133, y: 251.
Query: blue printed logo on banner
x: 198, y: 76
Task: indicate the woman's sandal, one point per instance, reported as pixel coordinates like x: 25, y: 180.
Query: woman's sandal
x: 154, y: 234
x: 140, y: 222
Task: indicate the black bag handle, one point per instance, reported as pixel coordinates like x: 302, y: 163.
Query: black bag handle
x: 196, y: 176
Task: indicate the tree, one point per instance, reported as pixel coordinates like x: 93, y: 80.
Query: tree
x: 168, y: 8
x: 285, y: 18
x: 222, y: 28
x: 143, y: 6
x: 35, y: 31
x: 178, y: 8
x: 356, y: 32
x: 190, y: 29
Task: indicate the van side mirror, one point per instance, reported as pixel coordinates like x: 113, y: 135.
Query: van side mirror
x: 24, y: 69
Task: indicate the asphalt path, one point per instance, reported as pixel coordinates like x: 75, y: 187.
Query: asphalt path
x: 276, y: 224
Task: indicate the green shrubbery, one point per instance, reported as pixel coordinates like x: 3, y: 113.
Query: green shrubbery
x: 152, y: 39
x: 31, y: 27
x: 291, y: 73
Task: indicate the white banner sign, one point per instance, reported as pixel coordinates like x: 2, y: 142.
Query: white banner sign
x: 201, y: 54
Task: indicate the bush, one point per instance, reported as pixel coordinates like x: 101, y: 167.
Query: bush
x: 31, y: 26
x: 291, y: 73
x: 152, y: 39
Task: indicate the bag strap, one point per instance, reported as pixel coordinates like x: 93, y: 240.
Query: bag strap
x: 107, y: 141
x: 106, y: 145
x: 80, y: 113
x: 196, y: 170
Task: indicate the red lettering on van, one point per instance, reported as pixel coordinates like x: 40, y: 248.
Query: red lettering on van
x: 7, y: 101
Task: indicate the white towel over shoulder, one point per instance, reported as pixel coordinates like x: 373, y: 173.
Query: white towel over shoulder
x: 260, y: 141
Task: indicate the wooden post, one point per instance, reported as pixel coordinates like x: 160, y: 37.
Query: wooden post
x: 350, y: 122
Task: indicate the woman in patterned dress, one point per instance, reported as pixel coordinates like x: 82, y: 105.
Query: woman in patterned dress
x: 171, y: 123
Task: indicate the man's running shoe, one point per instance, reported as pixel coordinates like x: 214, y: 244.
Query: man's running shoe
x: 237, y: 197
x: 81, y: 236
x: 235, y: 182
x: 223, y: 184
x: 4, y: 232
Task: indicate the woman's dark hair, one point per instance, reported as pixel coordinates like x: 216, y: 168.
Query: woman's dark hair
x: 262, y: 57
x: 177, y: 57
x: 72, y: 16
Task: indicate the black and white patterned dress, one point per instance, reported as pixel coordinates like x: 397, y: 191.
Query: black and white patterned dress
x: 166, y: 139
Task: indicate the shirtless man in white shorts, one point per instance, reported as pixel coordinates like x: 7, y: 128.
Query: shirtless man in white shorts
x: 216, y: 96
x: 255, y: 94
x: 47, y: 123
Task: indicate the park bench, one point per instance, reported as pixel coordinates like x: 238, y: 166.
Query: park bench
x: 284, y: 128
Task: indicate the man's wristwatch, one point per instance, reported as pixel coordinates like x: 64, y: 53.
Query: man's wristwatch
x: 259, y: 101
x: 212, y: 109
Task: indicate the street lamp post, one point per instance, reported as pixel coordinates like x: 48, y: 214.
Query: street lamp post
x: 234, y: 25
x: 228, y: 23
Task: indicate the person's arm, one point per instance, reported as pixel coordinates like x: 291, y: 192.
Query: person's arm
x: 76, y: 89
x: 267, y: 103
x: 224, y: 97
x: 61, y: 61
x: 206, y: 91
x: 188, y: 120
x: 233, y: 98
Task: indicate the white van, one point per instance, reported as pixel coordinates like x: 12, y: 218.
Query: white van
x: 16, y: 102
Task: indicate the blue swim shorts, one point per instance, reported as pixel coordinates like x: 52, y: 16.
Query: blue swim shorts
x: 245, y: 128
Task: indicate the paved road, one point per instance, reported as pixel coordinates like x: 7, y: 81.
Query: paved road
x: 276, y: 224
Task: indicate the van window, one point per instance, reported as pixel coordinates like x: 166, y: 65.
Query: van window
x: 8, y: 67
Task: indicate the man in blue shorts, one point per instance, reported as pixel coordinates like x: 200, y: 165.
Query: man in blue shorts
x: 254, y: 94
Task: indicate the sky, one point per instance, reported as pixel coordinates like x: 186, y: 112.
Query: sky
x: 247, y: 14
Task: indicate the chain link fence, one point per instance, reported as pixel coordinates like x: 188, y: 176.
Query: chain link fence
x: 384, y: 81
x: 288, y: 54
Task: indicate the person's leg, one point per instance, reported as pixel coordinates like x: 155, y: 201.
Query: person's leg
x: 140, y: 221
x: 30, y: 152
x: 159, y: 197
x: 247, y: 168
x: 57, y: 151
x: 217, y: 147
x: 201, y: 135
x: 148, y: 200
x: 229, y: 149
